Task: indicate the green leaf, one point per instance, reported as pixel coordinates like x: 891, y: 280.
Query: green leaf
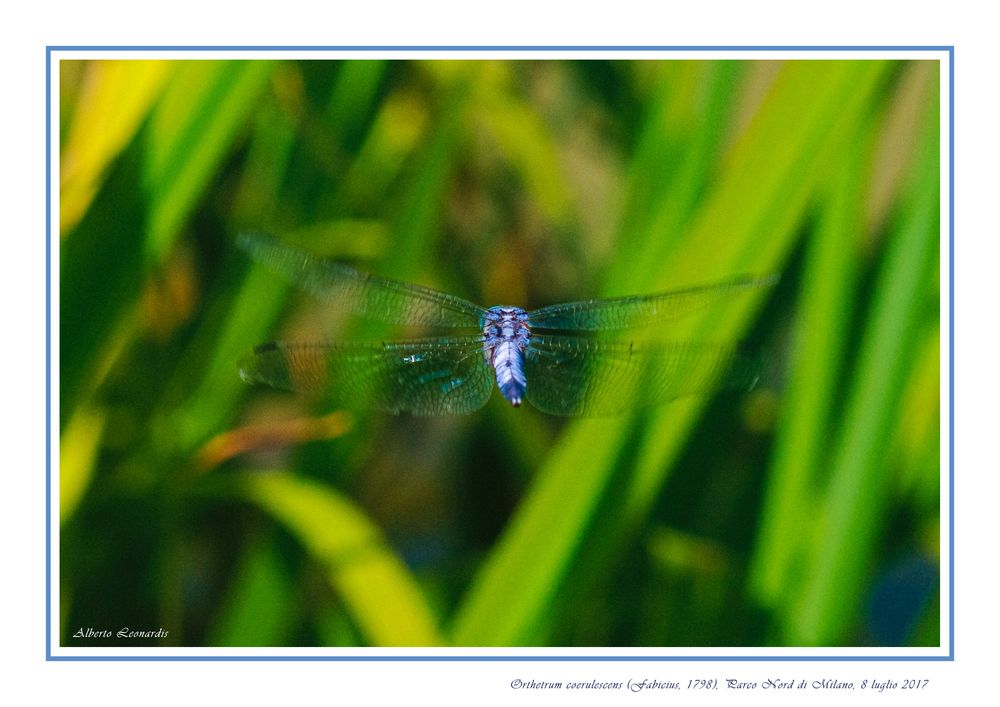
x: 101, y: 271
x: 79, y: 444
x: 109, y: 113
x: 259, y: 609
x: 376, y: 587
x: 825, y: 305
x: 766, y: 184
x: 203, y: 108
x: 847, y: 525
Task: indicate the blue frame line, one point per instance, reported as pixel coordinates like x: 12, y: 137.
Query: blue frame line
x: 48, y: 354
x: 951, y: 350
x: 504, y: 659
x: 503, y: 47
x: 950, y: 49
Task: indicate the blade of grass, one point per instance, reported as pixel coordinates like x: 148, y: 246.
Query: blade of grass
x: 918, y: 437
x: 747, y: 223
x: 378, y: 590
x: 257, y: 304
x: 523, y: 137
x: 415, y: 219
x: 203, y: 108
x: 246, y: 313
x: 354, y: 96
x: 654, y: 217
x: 399, y: 126
x: 78, y: 448
x: 114, y: 103
x: 846, y: 530
x: 787, y: 192
x: 258, y: 610
x: 826, y: 302
x: 100, y: 278
x: 772, y: 200
x: 192, y: 125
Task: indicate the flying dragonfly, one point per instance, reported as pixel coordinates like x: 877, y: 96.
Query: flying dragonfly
x: 555, y: 357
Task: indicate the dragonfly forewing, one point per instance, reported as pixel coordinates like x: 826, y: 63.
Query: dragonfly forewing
x: 376, y: 298
x: 641, y: 311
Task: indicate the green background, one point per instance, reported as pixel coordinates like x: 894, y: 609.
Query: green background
x: 802, y: 513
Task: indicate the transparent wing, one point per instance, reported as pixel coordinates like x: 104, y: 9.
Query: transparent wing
x: 569, y: 375
x: 365, y: 295
x: 443, y: 376
x: 640, y: 311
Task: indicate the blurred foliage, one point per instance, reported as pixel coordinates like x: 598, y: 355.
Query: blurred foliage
x: 803, y: 513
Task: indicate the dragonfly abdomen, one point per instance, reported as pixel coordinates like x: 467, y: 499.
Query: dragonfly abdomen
x: 506, y: 335
x: 508, y: 362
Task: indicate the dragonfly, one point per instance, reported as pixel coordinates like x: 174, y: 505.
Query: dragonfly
x: 558, y: 358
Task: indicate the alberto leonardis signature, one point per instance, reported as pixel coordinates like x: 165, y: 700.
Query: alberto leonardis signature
x: 121, y: 633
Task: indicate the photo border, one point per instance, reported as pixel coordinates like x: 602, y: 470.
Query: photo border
x: 943, y: 53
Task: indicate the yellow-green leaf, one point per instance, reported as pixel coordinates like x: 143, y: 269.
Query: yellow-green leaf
x: 378, y: 590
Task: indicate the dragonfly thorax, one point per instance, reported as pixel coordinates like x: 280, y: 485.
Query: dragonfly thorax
x: 506, y: 324
x: 505, y: 336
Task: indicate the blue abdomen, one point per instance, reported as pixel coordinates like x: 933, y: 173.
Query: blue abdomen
x: 508, y: 362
